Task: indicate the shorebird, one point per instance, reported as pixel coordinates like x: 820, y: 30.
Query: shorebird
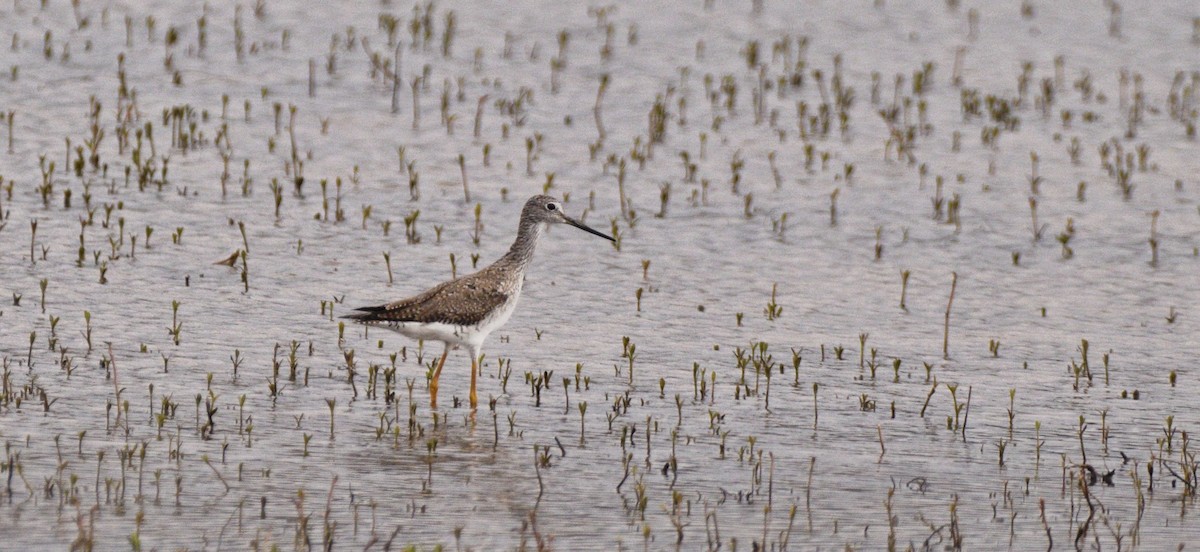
x: 464, y: 311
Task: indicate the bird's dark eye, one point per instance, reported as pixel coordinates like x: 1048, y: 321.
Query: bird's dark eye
x: 551, y: 207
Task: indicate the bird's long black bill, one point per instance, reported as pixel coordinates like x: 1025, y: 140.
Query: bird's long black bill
x: 589, y: 229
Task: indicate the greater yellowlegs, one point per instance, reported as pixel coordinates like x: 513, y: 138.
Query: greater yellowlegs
x: 464, y: 311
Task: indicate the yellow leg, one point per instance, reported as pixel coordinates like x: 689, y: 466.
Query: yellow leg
x: 437, y: 373
x: 474, y: 370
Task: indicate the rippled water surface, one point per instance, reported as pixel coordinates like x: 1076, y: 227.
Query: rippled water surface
x: 769, y: 358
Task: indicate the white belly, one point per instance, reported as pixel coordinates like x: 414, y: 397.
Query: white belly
x: 497, y: 319
x: 453, y: 334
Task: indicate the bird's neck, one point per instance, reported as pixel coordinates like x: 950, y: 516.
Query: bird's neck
x: 521, y: 252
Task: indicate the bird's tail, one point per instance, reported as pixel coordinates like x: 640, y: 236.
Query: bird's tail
x: 365, y: 314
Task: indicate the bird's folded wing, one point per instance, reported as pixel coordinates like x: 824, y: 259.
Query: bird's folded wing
x: 461, y: 302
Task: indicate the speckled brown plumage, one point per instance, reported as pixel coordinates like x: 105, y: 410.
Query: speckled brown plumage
x: 466, y: 301
x: 465, y: 311
x: 470, y: 299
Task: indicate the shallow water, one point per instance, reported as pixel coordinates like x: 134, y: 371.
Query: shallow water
x: 321, y: 459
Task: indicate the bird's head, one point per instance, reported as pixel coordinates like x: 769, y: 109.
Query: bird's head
x: 544, y: 209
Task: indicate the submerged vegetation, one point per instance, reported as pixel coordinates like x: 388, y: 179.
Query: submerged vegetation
x: 760, y: 158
